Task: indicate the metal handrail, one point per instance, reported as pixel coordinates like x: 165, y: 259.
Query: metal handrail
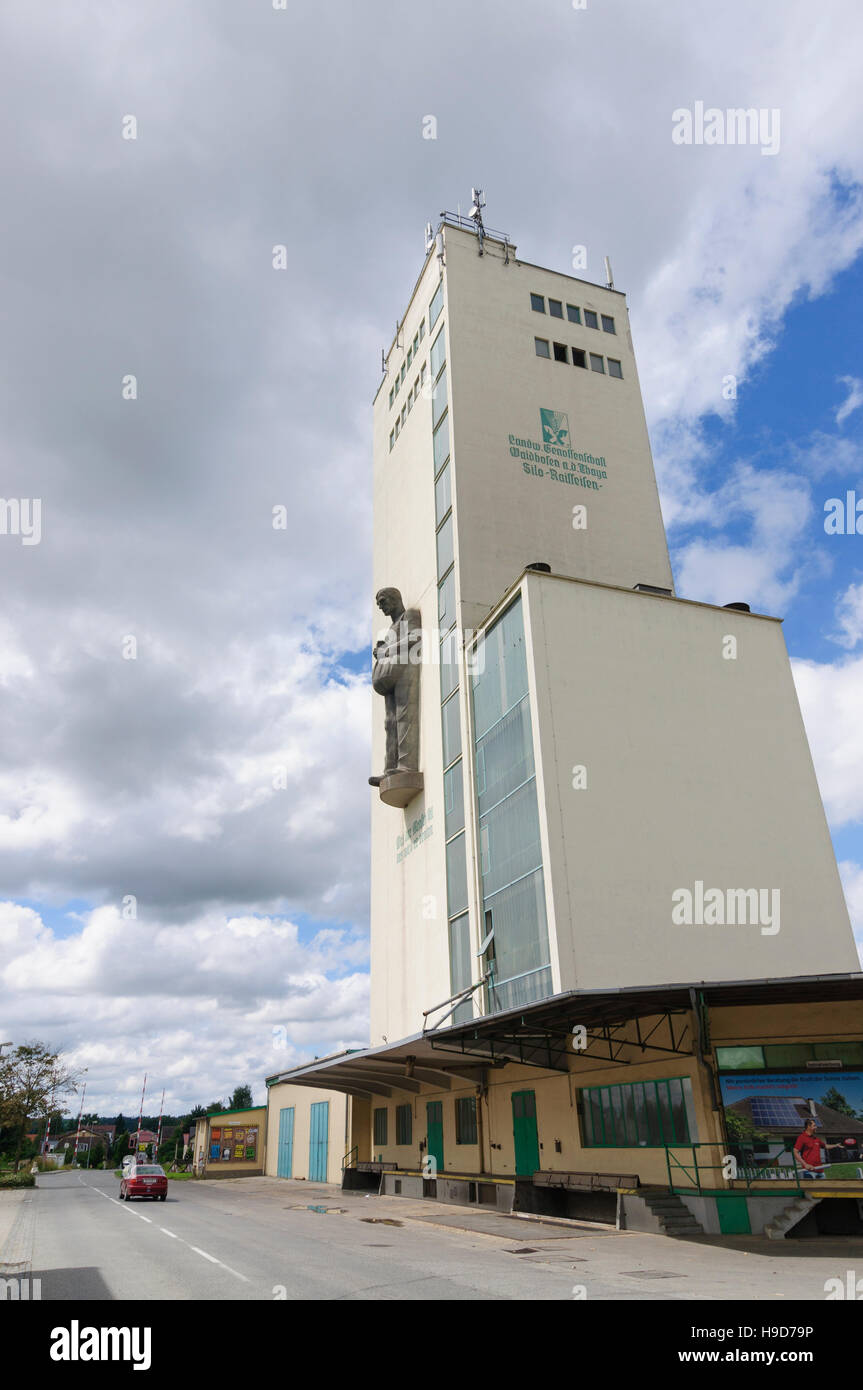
x: 746, y: 1173
x: 347, y: 1160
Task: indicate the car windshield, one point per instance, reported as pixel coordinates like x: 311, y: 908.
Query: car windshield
x: 150, y: 1170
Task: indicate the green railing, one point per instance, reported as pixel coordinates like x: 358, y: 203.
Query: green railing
x: 351, y: 1157
x: 689, y: 1174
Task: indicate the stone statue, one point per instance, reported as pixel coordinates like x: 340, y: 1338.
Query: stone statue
x: 396, y: 676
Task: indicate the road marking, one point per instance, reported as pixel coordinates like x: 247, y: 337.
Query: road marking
x: 220, y: 1263
x: 125, y: 1206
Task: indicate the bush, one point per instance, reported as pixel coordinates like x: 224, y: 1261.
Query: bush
x: 17, y: 1180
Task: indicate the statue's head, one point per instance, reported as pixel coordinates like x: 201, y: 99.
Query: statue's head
x: 389, y: 601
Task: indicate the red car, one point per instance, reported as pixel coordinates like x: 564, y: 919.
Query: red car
x: 144, y: 1180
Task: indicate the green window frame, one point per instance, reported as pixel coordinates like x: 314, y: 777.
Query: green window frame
x: 465, y: 1120
x: 380, y: 1118
x: 638, y: 1114
x: 404, y: 1118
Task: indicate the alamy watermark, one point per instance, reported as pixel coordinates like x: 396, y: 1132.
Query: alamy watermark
x: 726, y: 907
x: 734, y: 126
x: 21, y: 516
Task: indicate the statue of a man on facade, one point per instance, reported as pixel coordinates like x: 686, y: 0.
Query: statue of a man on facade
x: 396, y: 676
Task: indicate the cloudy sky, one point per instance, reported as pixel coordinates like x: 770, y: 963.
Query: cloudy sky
x: 184, y: 688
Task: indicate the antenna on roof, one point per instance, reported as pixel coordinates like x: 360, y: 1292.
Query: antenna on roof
x: 429, y: 237
x: 609, y: 278
x: 383, y: 360
x: 476, y: 206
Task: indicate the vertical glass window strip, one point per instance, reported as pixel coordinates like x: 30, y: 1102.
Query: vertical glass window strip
x: 453, y: 795
x: 437, y: 353
x: 440, y: 441
x: 451, y: 721
x: 448, y: 664
x: 460, y: 965
x: 446, y: 602
x: 439, y: 398
x: 445, y: 552
x: 436, y: 305
x: 456, y: 876
x: 442, y: 496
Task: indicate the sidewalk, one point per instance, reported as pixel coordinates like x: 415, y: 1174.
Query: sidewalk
x: 17, y: 1229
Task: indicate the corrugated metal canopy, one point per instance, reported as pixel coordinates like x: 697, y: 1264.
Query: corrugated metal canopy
x: 537, y: 1034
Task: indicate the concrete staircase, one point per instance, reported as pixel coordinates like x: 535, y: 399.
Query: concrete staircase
x: 788, y: 1217
x: 673, y: 1215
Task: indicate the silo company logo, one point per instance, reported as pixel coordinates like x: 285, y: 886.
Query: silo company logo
x: 555, y: 427
x: 555, y: 458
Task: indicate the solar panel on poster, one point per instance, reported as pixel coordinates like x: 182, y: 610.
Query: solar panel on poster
x: 778, y: 1111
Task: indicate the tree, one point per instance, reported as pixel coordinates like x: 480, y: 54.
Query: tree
x: 241, y: 1099
x: 215, y: 1106
x: 836, y: 1101
x: 31, y: 1079
x: 120, y: 1126
x: 97, y: 1155
x: 120, y: 1148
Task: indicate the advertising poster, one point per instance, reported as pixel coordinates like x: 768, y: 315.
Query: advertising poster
x: 765, y: 1112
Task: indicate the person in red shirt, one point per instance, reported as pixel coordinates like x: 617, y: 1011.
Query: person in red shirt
x: 807, y: 1148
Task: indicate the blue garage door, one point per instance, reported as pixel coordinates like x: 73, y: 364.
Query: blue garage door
x: 318, y: 1141
x: 286, y: 1143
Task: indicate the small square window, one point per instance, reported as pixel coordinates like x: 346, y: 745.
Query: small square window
x: 537, y: 302
x: 560, y: 353
x: 410, y: 401
x: 416, y: 343
x: 410, y: 357
x: 422, y: 373
x: 579, y: 358
x: 392, y: 439
x: 607, y: 324
x: 555, y: 308
x: 398, y: 426
x: 422, y: 330
x: 392, y: 394
x: 405, y: 409
x: 590, y: 319
x: 402, y: 374
x: 573, y: 313
x: 614, y: 367
x: 596, y: 363
x: 542, y: 348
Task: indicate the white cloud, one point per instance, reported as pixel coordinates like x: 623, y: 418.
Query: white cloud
x: 849, y: 616
x: 831, y: 698
x: 852, y: 882
x: 852, y: 401
x: 200, y: 1007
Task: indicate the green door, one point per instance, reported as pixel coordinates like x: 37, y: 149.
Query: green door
x: 434, y: 1131
x: 525, y: 1133
x: 733, y: 1214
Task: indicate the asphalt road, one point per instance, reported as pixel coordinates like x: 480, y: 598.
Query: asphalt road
x: 271, y: 1239
x: 209, y: 1242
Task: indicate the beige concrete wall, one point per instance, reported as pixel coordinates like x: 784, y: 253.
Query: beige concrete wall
x: 508, y: 517
x: 698, y: 769
x: 409, y: 934
x: 284, y: 1095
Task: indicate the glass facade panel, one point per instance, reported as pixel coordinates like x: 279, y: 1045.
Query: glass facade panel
x: 451, y: 720
x: 510, y: 839
x: 445, y: 554
x: 446, y: 602
x: 501, y: 677
x: 436, y: 305
x: 440, y: 442
x: 448, y: 665
x: 456, y: 876
x: 460, y: 965
x: 453, y: 795
x: 639, y: 1114
x: 439, y: 398
x: 442, y: 495
x: 504, y: 757
x: 437, y: 354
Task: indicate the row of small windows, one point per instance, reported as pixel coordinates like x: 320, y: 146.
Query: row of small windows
x: 412, y: 352
x: 561, y: 353
x: 412, y: 397
x: 573, y: 313
x: 465, y: 1123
